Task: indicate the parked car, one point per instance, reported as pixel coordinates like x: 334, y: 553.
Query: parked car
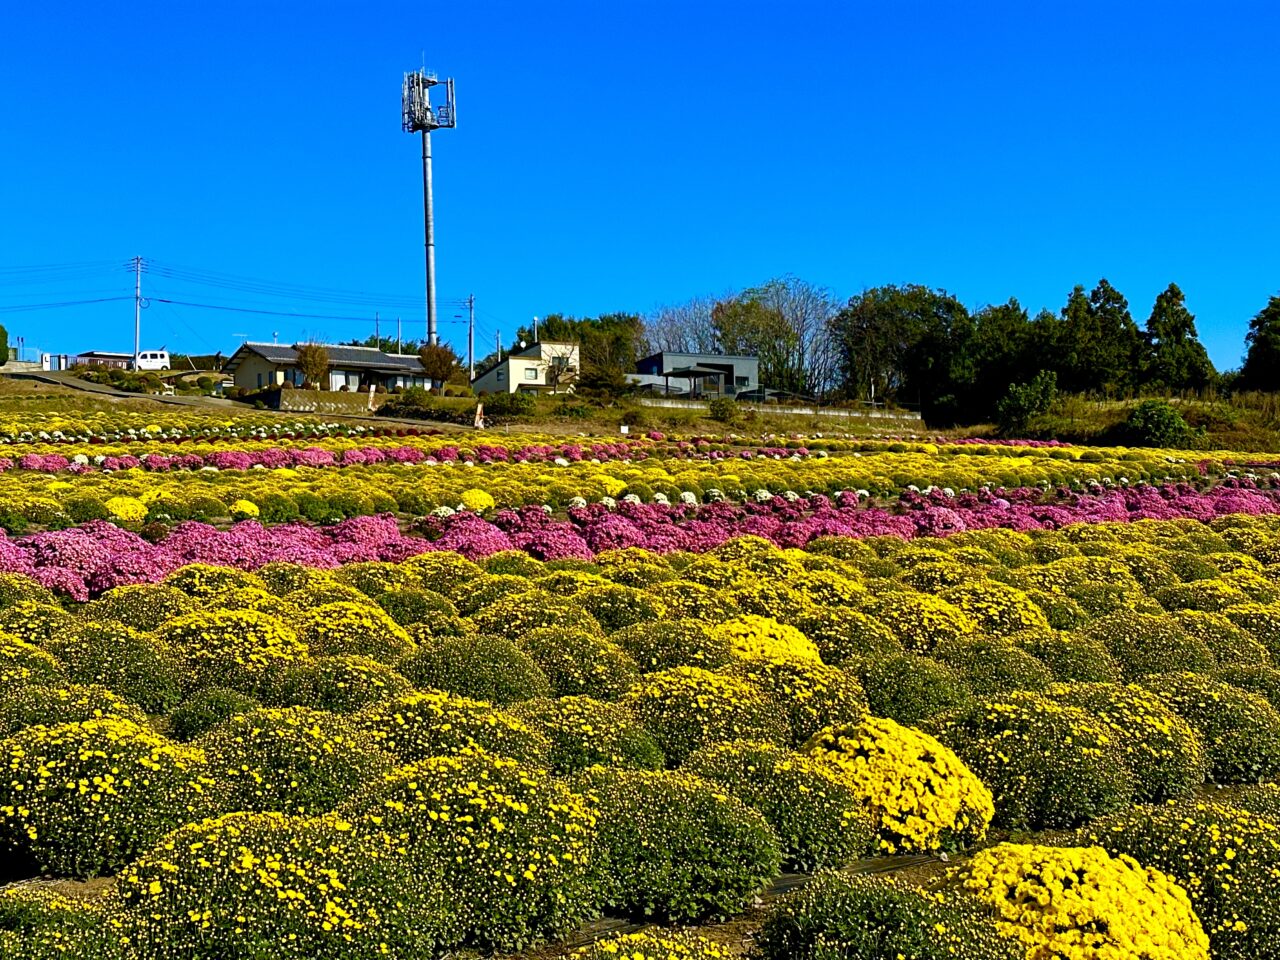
x: 153, y: 360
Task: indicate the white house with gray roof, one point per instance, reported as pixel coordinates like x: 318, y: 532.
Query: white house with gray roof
x: 257, y: 366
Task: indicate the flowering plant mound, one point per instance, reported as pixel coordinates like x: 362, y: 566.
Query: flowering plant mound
x: 374, y: 578
x: 1229, y: 644
x: 997, y: 609
x: 687, y: 707
x: 1047, y: 764
x: 37, y: 922
x: 143, y: 606
x: 126, y: 661
x: 1143, y: 643
x: 1081, y: 901
x: 1225, y: 858
x: 615, y: 606
x: 202, y: 580
x: 22, y: 663
x: 363, y: 630
x: 1164, y: 752
x: 920, y: 622
x: 431, y: 724
x: 581, y: 662
x: 844, y: 637
x: 413, y: 605
x: 481, y: 667
x: 810, y: 694
x: 694, y: 601
x: 36, y: 623
x: 987, y: 665
x: 663, y: 644
x: 675, y: 848
x: 910, y: 689
x: 40, y: 705
x: 85, y: 798
x: 342, y: 684
x: 1070, y: 657
x: 751, y: 635
x: 874, y: 918
x: 654, y: 945
x: 819, y: 819
x: 293, y: 760
x: 238, y: 649
x: 584, y: 732
x: 264, y: 884
x: 206, y: 709
x: 514, y: 850
x: 921, y: 794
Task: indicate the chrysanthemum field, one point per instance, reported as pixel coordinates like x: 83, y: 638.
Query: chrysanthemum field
x: 300, y: 691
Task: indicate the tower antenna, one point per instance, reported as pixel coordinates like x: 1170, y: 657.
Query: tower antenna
x: 417, y: 115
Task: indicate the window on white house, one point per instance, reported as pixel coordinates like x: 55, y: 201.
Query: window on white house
x: 531, y: 373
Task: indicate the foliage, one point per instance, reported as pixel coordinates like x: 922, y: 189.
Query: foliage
x: 1157, y: 423
x: 481, y: 667
x: 427, y: 724
x: 584, y: 732
x: 313, y: 360
x: 579, y: 662
x: 662, y: 644
x: 206, y: 709
x: 911, y: 689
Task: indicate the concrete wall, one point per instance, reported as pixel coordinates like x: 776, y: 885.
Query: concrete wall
x: 322, y: 401
x: 902, y: 415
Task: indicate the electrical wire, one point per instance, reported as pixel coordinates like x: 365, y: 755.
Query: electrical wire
x: 269, y: 313
x: 23, y: 307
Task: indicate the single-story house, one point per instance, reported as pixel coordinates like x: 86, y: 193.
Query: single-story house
x: 103, y: 358
x: 548, y: 366
x: 698, y: 374
x: 255, y: 366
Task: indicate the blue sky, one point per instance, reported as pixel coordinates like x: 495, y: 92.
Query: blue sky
x: 618, y: 156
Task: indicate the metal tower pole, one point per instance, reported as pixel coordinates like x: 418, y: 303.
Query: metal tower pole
x: 471, y: 336
x: 428, y: 218
x: 137, y: 310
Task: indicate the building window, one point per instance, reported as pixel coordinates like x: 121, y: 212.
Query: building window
x: 502, y: 375
x: 259, y: 381
x: 531, y: 373
x: 741, y: 381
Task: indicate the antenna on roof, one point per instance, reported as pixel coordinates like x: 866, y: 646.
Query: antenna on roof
x: 275, y: 336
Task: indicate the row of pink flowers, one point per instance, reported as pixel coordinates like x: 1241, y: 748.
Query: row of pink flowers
x: 84, y: 561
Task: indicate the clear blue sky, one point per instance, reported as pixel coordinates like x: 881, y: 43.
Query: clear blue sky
x: 617, y: 156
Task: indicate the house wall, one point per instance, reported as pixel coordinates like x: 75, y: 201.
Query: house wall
x: 253, y: 373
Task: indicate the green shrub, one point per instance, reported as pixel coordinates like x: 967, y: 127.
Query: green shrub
x: 874, y: 918
x: 238, y: 649
x: 37, y: 922
x: 39, y: 705
x: 1142, y: 644
x: 411, y: 605
x: 581, y: 662
x: 819, y: 820
x: 122, y: 659
x: 205, y: 710
x: 987, y: 666
x: 584, y: 732
x: 686, y: 708
x: 846, y: 637
x: 143, y: 606
x: 663, y: 644
x: 1071, y: 658
x: 432, y: 724
x: 675, y: 848
x: 1241, y: 730
x: 616, y: 606
x: 338, y: 628
x: 910, y: 689
x: 482, y: 667
x: 295, y: 761
x: 1048, y: 765
x: 1264, y: 681
x: 145, y: 786
x: 810, y: 695
x: 522, y: 870
x: 1156, y: 423
x: 1228, y: 643
x: 342, y: 684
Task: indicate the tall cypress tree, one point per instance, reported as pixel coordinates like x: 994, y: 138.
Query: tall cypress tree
x: 1114, y: 360
x: 1261, y: 369
x: 1176, y: 359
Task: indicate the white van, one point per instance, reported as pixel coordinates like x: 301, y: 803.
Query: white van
x: 153, y: 360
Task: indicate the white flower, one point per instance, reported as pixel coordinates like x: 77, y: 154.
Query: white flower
x: 661, y: 498
x: 546, y: 508
x: 443, y: 512
x: 631, y: 498
x: 80, y: 460
x: 762, y: 495
x: 948, y: 491
x: 715, y: 495
x: 609, y: 502
x: 577, y: 502
x: 688, y: 497
x: 790, y: 495
x: 862, y: 494
x: 561, y: 462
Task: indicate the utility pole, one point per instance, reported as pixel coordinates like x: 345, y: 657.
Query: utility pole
x: 399, y: 349
x: 471, y: 336
x: 377, y: 332
x: 137, y: 310
x: 418, y: 116
x: 497, y: 344
x: 535, y: 329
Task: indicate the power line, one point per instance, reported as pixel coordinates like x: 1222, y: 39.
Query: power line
x: 266, y: 313
x: 18, y: 308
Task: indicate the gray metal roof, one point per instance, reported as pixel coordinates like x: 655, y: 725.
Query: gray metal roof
x: 340, y: 355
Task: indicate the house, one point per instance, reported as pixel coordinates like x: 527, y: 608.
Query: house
x: 103, y: 358
x: 546, y: 366
x: 697, y: 374
x: 256, y: 366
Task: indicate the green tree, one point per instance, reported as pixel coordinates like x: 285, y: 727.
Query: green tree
x: 4, y: 346
x: 608, y: 346
x: 313, y: 361
x: 1261, y: 369
x: 1097, y: 345
x: 439, y: 362
x: 1176, y: 359
x: 749, y: 327
x: 998, y: 354
x: 1025, y: 401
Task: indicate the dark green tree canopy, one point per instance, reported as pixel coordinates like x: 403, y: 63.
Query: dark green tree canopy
x: 1261, y: 369
x: 1176, y: 359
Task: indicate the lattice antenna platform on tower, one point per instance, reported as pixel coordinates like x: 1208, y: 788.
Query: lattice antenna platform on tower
x: 416, y: 110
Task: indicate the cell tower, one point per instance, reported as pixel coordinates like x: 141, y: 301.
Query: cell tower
x: 418, y: 116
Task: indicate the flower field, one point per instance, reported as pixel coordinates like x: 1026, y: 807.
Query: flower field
x: 316, y: 691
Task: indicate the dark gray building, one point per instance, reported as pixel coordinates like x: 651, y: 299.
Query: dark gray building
x: 698, y: 374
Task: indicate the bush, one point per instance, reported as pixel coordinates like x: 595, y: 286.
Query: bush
x: 206, y: 710
x: 203, y: 580
x: 986, y: 666
x: 675, y: 848
x: 143, y: 606
x: 654, y: 944
x: 1155, y: 423
x: 875, y: 918
x: 723, y: 409
x: 845, y: 637
x: 127, y: 662
x: 522, y: 870
x: 664, y: 644
x: 1142, y: 644
x: 1047, y: 764
x: 921, y: 795
x: 444, y: 573
x: 294, y: 760
x: 1241, y: 730
x: 1225, y: 858
x: 810, y: 695
x: 686, y: 708
x: 39, y: 705
x: 22, y: 663
x: 616, y: 606
x: 686, y: 600
x: 921, y: 622
x: 143, y: 786
x: 997, y: 608
x: 819, y: 819
x: 910, y: 689
x: 374, y: 578
x: 1264, y: 681
x: 237, y: 649
x: 406, y: 606
x: 751, y: 635
x: 265, y: 885
x: 341, y: 684
x: 338, y: 628
x: 482, y: 667
x: 37, y: 922
x: 1228, y: 643
x: 33, y: 622
x: 581, y: 662
x: 1023, y: 402
x: 584, y: 732
x: 1261, y: 620
x: 1070, y: 658
x: 431, y: 724
x: 1065, y: 902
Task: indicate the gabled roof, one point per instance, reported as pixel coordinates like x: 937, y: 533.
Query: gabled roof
x: 340, y: 355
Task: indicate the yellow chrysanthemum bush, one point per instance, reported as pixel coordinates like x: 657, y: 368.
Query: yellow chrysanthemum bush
x: 584, y: 732
x: 341, y: 684
x: 481, y: 667
x: 774, y: 599
x: 83, y: 799
x: 997, y: 608
x: 615, y: 606
x: 442, y: 572
x: 201, y: 580
x: 847, y: 637
x: 1083, y: 902
x: 580, y: 661
x: 910, y: 689
x: 654, y: 945
x: 373, y: 578
x: 1047, y: 764
x: 130, y: 663
x: 49, y: 705
x: 1165, y: 753
x: 919, y: 621
x: 1230, y: 645
x: 477, y: 500
x: 809, y: 694
x: 877, y: 918
x: 408, y: 605
x: 1261, y: 620
x: 1228, y: 861
x: 514, y: 850
x: 686, y: 708
x: 662, y: 644
x: 991, y: 665
x: 363, y: 630
x: 515, y: 615
x: 127, y: 509
x: 752, y: 635
x: 921, y: 794
x: 38, y: 922
x: 205, y: 709
x: 676, y: 847
x: 35, y: 622
x: 1070, y: 657
x: 293, y: 760
x: 430, y: 723
x: 820, y: 820
x: 1240, y: 729
x: 693, y: 601
x: 265, y: 884
x: 238, y: 649
x: 1144, y: 643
